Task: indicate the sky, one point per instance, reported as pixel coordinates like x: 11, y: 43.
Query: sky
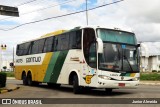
x: 141, y: 16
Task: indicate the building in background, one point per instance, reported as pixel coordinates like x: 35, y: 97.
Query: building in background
x: 7, y: 65
x: 6, y: 57
x: 150, y: 56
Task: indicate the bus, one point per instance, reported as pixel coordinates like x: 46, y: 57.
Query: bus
x: 91, y: 56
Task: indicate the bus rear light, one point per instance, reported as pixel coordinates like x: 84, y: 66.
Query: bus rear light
x: 122, y: 84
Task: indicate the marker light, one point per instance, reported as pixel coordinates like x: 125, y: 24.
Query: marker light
x: 104, y: 77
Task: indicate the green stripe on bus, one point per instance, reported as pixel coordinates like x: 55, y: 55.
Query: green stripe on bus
x: 58, y: 66
x: 51, y: 66
x: 125, y: 74
x: 122, y: 74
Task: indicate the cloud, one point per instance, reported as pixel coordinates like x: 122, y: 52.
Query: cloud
x: 141, y: 16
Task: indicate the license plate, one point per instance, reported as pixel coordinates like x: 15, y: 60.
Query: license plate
x: 122, y: 84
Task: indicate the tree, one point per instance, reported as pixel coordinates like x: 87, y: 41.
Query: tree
x: 4, y: 68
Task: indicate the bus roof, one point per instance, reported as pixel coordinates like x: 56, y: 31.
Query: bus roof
x: 53, y: 33
x: 126, y: 29
x: 80, y: 27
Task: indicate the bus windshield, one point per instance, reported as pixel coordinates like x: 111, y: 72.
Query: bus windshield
x: 119, y: 54
x: 116, y: 36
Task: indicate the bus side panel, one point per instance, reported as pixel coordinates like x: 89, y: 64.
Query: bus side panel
x: 37, y: 68
x: 18, y: 73
x: 44, y: 66
x: 55, y: 66
x: 73, y: 63
x: 50, y: 67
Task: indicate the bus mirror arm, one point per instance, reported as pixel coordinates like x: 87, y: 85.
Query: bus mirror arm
x: 100, y: 45
x: 138, y: 45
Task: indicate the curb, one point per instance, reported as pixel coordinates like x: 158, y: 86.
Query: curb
x: 8, y: 90
x: 157, y: 84
x: 11, y: 78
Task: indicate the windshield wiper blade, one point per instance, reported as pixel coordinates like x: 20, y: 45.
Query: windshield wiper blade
x: 128, y: 62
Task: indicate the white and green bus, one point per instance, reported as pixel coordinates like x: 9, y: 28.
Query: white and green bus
x: 95, y: 57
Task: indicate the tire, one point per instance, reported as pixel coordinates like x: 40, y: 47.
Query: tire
x: 24, y: 78
x: 76, y: 87
x: 29, y: 79
x: 108, y: 91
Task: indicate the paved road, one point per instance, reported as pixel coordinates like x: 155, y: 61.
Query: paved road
x: 43, y: 91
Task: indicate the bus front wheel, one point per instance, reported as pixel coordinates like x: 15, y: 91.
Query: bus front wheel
x: 76, y: 87
x: 108, y: 90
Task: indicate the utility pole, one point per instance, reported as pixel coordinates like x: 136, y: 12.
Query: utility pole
x: 0, y: 59
x: 13, y: 60
x: 86, y: 12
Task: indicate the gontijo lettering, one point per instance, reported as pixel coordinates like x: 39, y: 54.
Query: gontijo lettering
x: 33, y: 59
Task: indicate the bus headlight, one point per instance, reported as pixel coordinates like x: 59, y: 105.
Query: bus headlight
x: 135, y: 79
x: 104, y: 77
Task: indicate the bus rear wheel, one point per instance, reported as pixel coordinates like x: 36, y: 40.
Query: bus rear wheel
x: 24, y: 78
x: 29, y: 79
x: 76, y: 87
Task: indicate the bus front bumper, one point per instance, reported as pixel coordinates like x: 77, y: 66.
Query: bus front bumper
x: 117, y: 84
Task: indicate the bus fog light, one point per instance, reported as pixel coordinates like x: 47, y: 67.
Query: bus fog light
x: 135, y: 79
x: 104, y: 77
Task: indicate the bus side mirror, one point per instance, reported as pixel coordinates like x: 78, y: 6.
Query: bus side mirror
x: 138, y: 45
x: 100, y: 45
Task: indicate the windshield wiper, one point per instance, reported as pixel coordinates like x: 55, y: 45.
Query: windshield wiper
x: 128, y: 62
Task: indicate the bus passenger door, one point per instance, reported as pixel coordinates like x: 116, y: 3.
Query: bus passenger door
x: 89, y: 51
x: 92, y: 64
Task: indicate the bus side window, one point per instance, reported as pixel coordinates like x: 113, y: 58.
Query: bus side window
x: 72, y: 44
x: 75, y: 39
x: 55, y: 43
x: 18, y: 50
x: 48, y: 46
x: 63, y: 42
x: 34, y: 49
x: 26, y: 48
x: 40, y: 45
x: 23, y: 49
x: 37, y: 46
x: 78, y: 38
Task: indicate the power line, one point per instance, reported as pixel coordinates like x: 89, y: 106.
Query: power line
x: 48, y: 7
x: 27, y: 2
x: 61, y: 15
x: 41, y: 9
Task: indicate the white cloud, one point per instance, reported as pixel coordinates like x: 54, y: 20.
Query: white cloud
x: 76, y: 3
x: 140, y: 15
